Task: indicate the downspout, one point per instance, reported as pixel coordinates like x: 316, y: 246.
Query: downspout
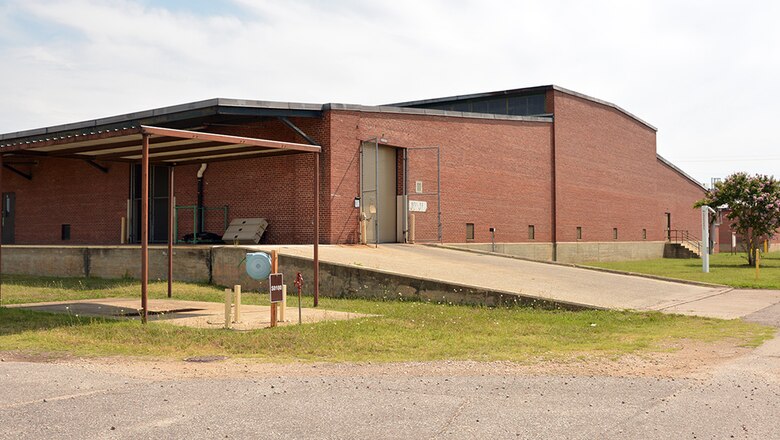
x: 553, y: 197
x: 200, y: 196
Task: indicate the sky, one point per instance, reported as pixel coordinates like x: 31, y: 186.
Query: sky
x: 705, y: 73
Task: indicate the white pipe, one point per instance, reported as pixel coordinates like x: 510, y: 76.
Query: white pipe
x: 202, y: 170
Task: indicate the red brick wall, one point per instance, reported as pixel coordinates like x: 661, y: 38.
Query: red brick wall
x: 280, y: 189
x: 608, y: 176
x: 494, y: 173
x: 677, y: 195
x: 69, y: 192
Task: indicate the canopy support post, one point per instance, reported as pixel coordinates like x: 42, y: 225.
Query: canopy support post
x: 145, y: 228
x: 171, y: 210
x: 316, y: 229
x: 2, y: 221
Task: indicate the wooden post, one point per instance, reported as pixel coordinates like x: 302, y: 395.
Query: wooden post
x: 766, y: 246
x: 283, y: 306
x: 228, y: 300
x: 123, y: 230
x: 274, y: 269
x: 237, y: 301
x: 758, y: 257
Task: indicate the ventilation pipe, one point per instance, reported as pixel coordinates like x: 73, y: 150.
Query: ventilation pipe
x: 201, y: 171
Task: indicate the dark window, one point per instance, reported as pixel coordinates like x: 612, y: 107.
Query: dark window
x: 497, y: 106
x: 469, y: 231
x: 644, y: 234
x: 479, y: 107
x: 462, y: 107
x: 535, y: 105
x: 65, y: 232
x: 579, y: 232
x: 614, y: 234
x: 531, y: 232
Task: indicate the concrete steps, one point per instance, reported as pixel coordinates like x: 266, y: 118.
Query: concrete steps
x: 681, y: 250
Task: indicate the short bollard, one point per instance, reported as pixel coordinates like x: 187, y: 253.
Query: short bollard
x: 283, y: 306
x: 228, y: 298
x: 237, y: 301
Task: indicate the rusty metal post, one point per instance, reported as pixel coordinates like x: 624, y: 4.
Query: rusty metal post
x: 2, y: 221
x: 145, y: 227
x: 171, y: 209
x: 316, y: 229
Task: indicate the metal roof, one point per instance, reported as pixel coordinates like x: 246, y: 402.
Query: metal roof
x: 523, y: 91
x: 197, y: 112
x: 166, y: 115
x: 166, y: 146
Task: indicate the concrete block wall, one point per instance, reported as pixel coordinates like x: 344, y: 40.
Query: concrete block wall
x: 191, y: 264
x: 576, y: 252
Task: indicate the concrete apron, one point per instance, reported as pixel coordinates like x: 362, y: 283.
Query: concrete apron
x: 196, y: 314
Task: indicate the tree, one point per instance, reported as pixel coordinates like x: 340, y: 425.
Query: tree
x: 754, y: 207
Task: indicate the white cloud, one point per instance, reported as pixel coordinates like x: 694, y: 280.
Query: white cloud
x: 704, y: 73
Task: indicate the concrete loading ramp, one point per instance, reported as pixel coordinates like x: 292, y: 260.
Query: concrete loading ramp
x: 546, y: 282
x: 407, y: 271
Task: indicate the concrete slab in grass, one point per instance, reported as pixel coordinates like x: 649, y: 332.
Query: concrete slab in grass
x: 198, y: 314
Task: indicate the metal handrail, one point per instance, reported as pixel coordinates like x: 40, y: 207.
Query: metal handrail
x: 682, y: 236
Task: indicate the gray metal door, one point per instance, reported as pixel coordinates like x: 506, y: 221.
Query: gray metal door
x: 158, y: 204
x: 379, y: 188
x: 9, y: 217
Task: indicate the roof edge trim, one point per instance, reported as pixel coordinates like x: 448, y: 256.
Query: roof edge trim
x: 431, y: 112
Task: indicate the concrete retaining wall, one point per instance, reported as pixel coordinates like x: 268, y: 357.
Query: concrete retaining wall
x: 190, y: 264
x: 580, y: 252
x: 222, y: 265
x: 577, y: 252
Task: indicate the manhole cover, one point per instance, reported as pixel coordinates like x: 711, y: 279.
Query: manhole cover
x: 205, y: 359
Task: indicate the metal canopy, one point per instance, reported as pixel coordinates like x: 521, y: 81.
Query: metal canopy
x: 163, y: 146
x: 167, y: 146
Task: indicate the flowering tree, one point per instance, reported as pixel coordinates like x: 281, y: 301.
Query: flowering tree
x: 754, y: 207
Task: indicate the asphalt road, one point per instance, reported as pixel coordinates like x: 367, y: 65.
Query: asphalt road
x: 738, y: 399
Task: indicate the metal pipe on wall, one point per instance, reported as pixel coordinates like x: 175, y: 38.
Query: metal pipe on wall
x: 199, y: 214
x: 376, y: 194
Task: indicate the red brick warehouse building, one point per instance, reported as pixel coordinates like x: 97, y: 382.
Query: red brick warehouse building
x: 556, y: 175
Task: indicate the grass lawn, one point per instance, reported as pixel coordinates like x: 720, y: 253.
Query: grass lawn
x: 406, y: 331
x: 731, y: 270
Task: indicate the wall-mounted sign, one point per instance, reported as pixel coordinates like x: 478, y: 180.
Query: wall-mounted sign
x: 418, y: 206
